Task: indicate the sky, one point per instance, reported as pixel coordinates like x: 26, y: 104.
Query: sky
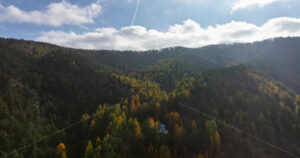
x: 154, y: 24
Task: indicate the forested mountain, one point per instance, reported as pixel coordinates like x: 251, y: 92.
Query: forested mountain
x: 124, y: 98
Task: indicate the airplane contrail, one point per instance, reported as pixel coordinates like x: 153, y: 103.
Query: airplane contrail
x: 136, y: 9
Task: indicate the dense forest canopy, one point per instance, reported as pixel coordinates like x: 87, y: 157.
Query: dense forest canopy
x: 128, y: 103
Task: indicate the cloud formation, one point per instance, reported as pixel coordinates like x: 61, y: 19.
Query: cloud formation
x: 241, y: 4
x: 55, y: 14
x: 188, y: 34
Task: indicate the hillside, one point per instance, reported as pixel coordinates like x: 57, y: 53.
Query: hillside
x: 123, y: 97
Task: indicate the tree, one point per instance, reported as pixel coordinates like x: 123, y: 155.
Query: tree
x: 173, y: 118
x: 106, y: 144
x: 61, y: 151
x: 137, y: 129
x: 200, y: 156
x: 92, y: 125
x: 150, y: 122
x: 132, y: 107
x: 126, y: 101
x: 217, y: 141
x: 211, y: 127
x: 150, y: 150
x: 157, y: 110
x: 194, y: 127
x: 85, y: 123
x: 164, y: 152
x: 89, y: 150
x: 137, y: 100
x: 98, y: 147
x: 178, y: 131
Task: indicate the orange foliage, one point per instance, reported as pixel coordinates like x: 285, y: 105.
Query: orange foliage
x: 93, y: 123
x: 178, y: 131
x: 151, y: 122
x: 61, y: 151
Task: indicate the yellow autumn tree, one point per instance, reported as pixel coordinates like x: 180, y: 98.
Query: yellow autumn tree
x: 132, y: 107
x: 61, y: 151
x: 173, y: 118
x: 85, y: 123
x: 178, y: 131
x: 157, y: 110
x: 137, y: 100
x: 137, y: 129
x: 217, y: 141
x: 89, y: 150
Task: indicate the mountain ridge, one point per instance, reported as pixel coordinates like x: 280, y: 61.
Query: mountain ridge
x: 44, y: 88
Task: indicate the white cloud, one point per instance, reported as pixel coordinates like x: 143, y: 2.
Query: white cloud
x: 241, y: 4
x: 188, y: 34
x: 55, y: 14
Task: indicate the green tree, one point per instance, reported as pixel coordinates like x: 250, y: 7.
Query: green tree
x: 211, y: 127
x: 89, y: 150
x: 194, y: 127
x: 164, y: 152
x: 98, y: 147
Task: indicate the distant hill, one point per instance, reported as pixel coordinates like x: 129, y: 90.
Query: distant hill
x: 122, y: 98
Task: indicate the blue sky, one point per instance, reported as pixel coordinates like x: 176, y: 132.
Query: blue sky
x: 105, y: 24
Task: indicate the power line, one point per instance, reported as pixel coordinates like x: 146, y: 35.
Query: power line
x: 241, y: 131
x: 45, y: 137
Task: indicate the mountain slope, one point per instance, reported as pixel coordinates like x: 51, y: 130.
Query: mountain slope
x: 251, y: 86
x: 247, y: 99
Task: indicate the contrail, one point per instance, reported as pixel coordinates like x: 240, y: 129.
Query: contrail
x: 136, y: 9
